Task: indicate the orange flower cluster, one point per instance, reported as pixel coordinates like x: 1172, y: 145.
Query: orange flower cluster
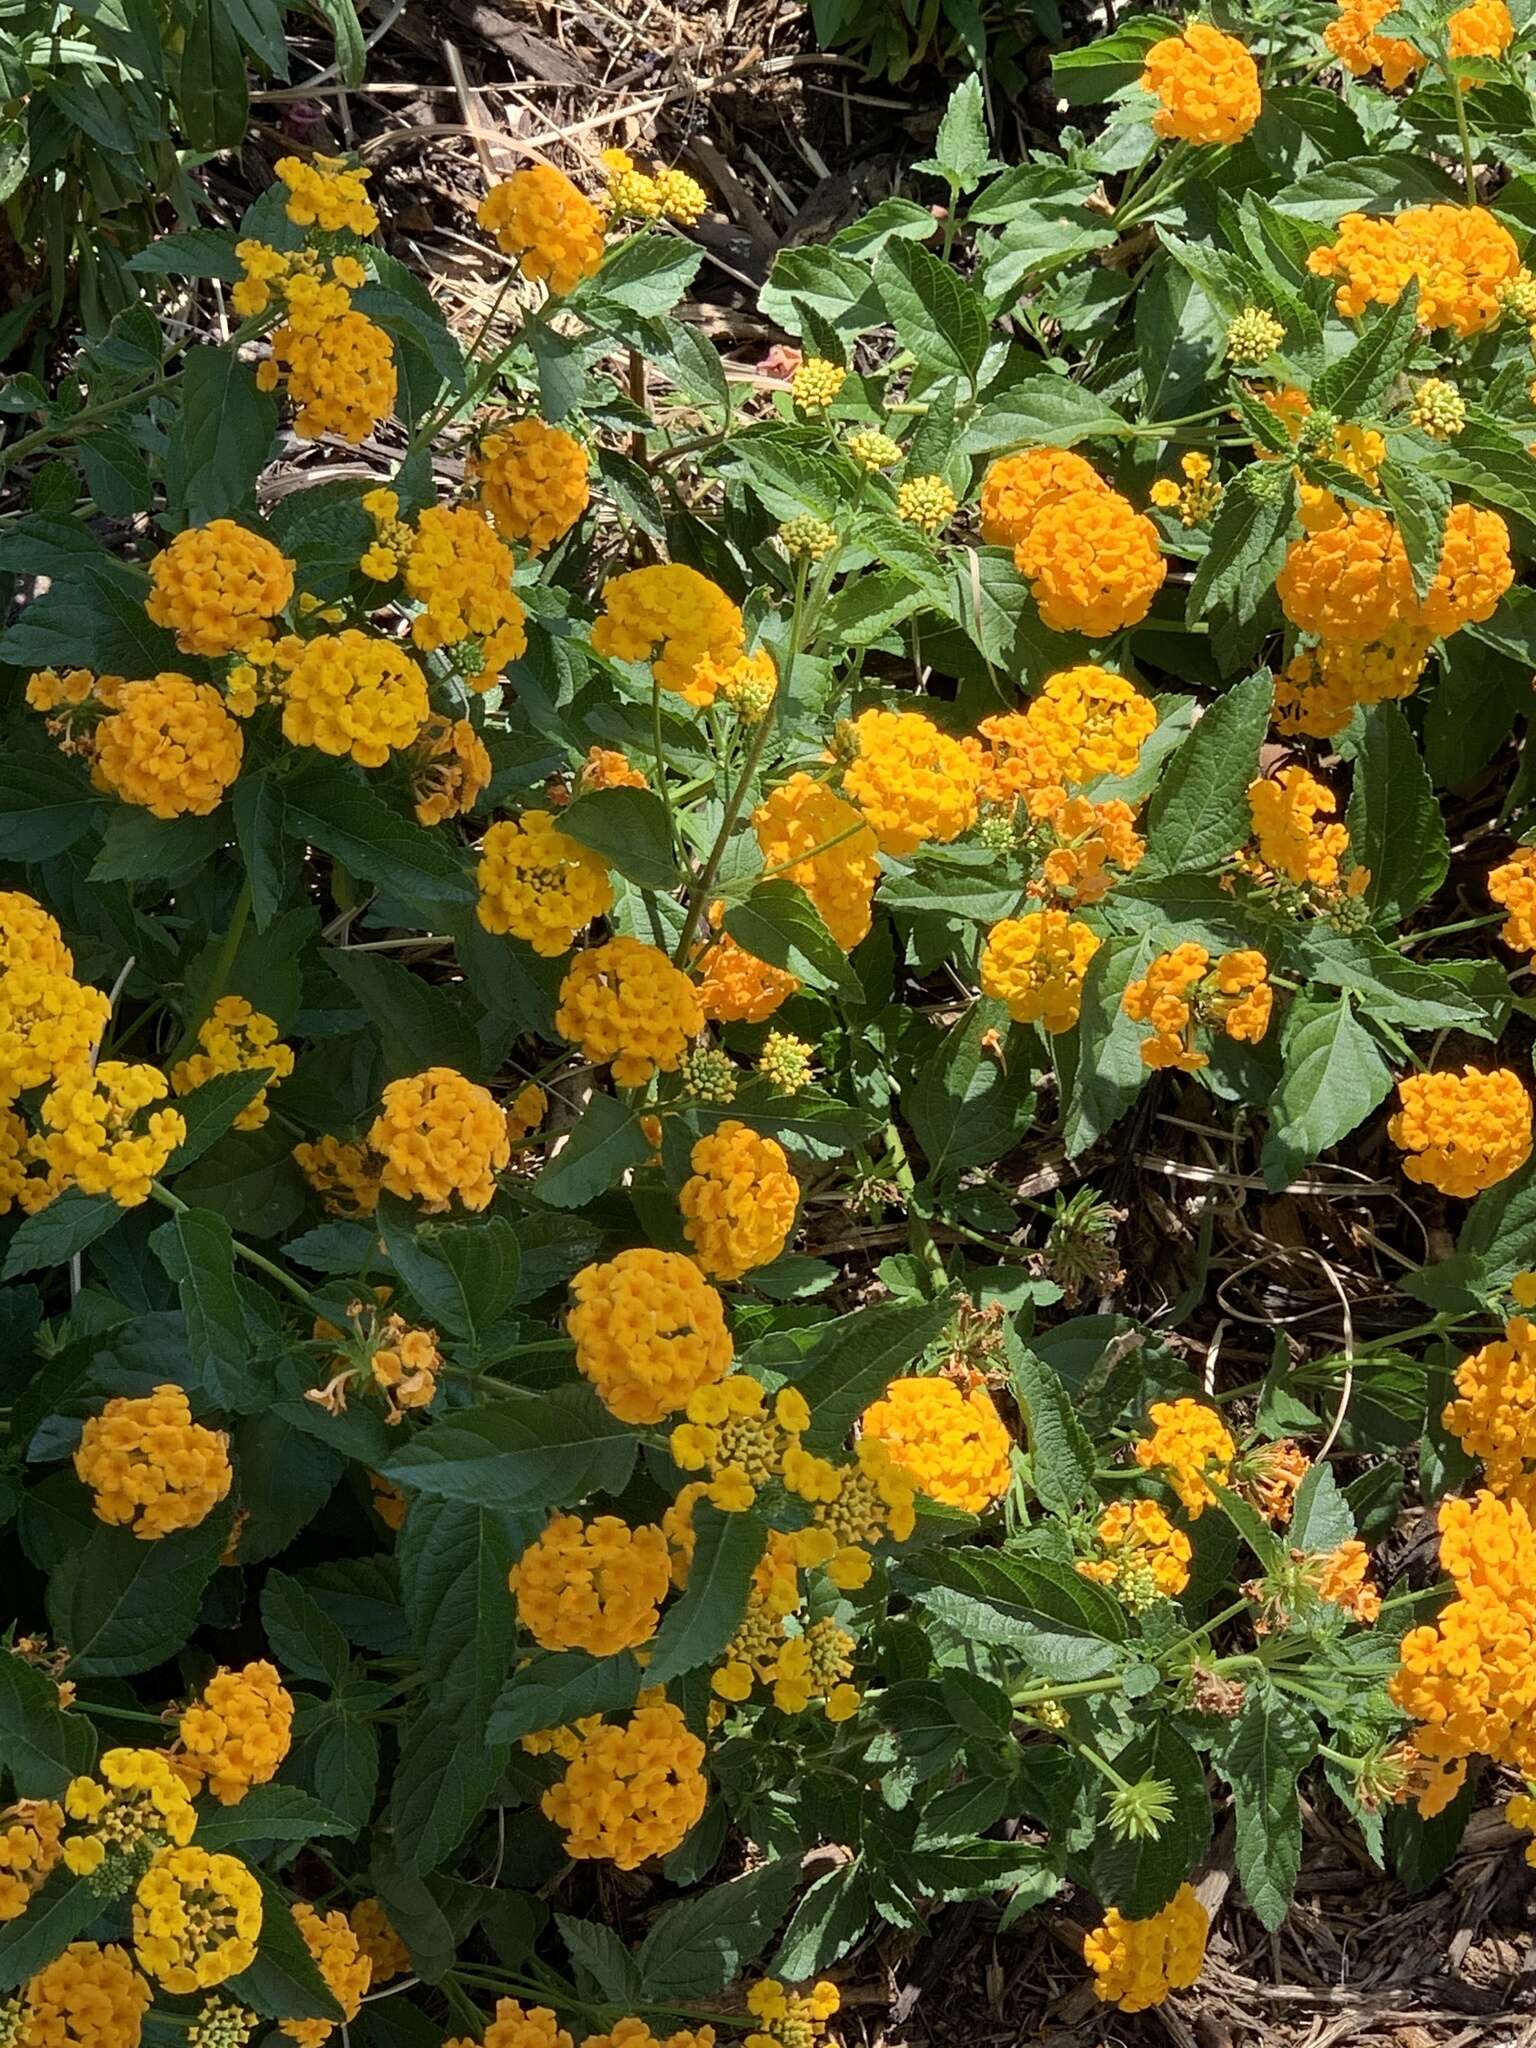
x: 912, y: 782
x: 1188, y: 1445
x: 1285, y: 809
x: 1207, y: 86
x: 1462, y: 1132
x: 1512, y: 885
x: 1181, y: 990
x: 951, y: 1444
x: 1036, y: 964
x: 1459, y: 256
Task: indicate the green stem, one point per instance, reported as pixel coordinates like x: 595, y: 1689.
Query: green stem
x: 1444, y: 931
x: 229, y: 946
x: 121, y: 1713
x: 1077, y: 1688
x: 662, y: 789
x: 1468, y: 160
x: 81, y: 422
x: 252, y: 1257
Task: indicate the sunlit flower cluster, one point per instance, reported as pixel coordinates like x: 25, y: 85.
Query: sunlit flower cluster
x: 740, y: 1438
x: 1206, y: 84
x: 1459, y: 256
x: 1512, y: 885
x: 1036, y: 964
x: 1139, y: 1553
x: 1189, y: 1445
x: 649, y: 1332
x: 950, y: 1442
x: 1462, y: 1132
x: 912, y: 782
x: 595, y: 1586
x: 1016, y: 488
x: 822, y: 844
x: 665, y: 193
x: 532, y: 479
x: 630, y: 1792
x: 1092, y: 562
x: 854, y: 1506
x: 351, y: 693
x: 1136, y: 1963
x: 218, y: 587
x: 671, y: 616
x: 539, y: 884
x: 739, y: 1202
x: 441, y: 1138
x: 630, y: 1009
x: 327, y: 193
x: 1184, y: 989
x: 1285, y: 809
x: 461, y: 576
x: 538, y: 216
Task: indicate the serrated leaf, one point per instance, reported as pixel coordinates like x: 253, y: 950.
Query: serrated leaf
x: 702, y: 1944
x: 966, y: 1105
x: 826, y: 1923
x: 557, y: 1688
x: 124, y: 1606
x: 55, y: 1916
x: 855, y: 1358
x: 527, y: 1450
x: 1419, y: 505
x: 606, y: 1143
x: 628, y: 828
x: 1321, y: 1518
x: 441, y: 1785
x: 1199, y: 810
x: 41, y: 1746
x: 269, y: 1813
x: 1039, y: 412
x: 1333, y: 1077
x: 52, y: 1237
x: 196, y: 1248
x: 936, y: 314
x: 1270, y: 1745
x: 284, y: 1982
x: 464, y: 1275
x: 961, y: 152
x: 697, y: 1627
x: 779, y: 923
x: 454, y: 1559
x: 1250, y: 536
x: 1061, y: 1455
x: 1356, y: 382
x: 302, y: 1635
x: 1396, y: 830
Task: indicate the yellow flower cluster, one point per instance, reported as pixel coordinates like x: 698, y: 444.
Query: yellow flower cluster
x: 538, y: 217
x: 1090, y: 723
x: 1462, y: 1132
x: 816, y: 383
x: 628, y: 1007
x: 607, y: 768
x: 1182, y: 989
x: 1016, y: 487
x: 346, y: 1175
x: 1512, y: 885
x: 631, y: 1792
x: 168, y: 746
x: 822, y: 844
x: 912, y: 782
x: 1320, y: 686
x: 1354, y: 41
x: 671, y: 616
x: 90, y: 1996
x: 1269, y: 1476
x: 741, y: 1439
x: 196, y: 1917
x: 441, y: 1138
x: 352, y: 693
x: 649, y: 1332
x: 149, y: 1466
x: 133, y: 1808
x: 1284, y: 810
x: 1459, y: 255
x: 517, y: 2027
x: 1341, y: 1577
x: 650, y: 195
x: 735, y: 987
x: 853, y: 1507
x: 1092, y: 562
x: 634, y: 2033
x: 739, y: 1202
x: 49, y: 1022
x: 539, y: 884
x: 1469, y: 1676
x: 450, y: 769
x: 1136, y: 1963
x: 790, y: 2019
x: 747, y: 684
x: 327, y: 193
x: 235, y: 1039
x: 338, y: 367
x: 341, y: 1961
x: 1036, y: 964
x: 926, y: 502
x: 951, y: 1444
x: 1197, y: 498
x: 1207, y: 86
x: 1085, y: 848
x: 532, y: 479
x: 1494, y: 1414
x: 526, y: 1111
x: 29, y: 1849
x: 1142, y: 1554
x: 1350, y: 582
x: 378, y: 1940
x: 461, y: 575
x: 91, y: 1137
x: 595, y: 1586
x: 1188, y: 1445
x: 1474, y: 572
x: 218, y: 587
x: 237, y: 1731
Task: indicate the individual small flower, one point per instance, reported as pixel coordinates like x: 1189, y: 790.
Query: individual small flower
x: 149, y: 1466
x: 441, y: 1138
x: 95, y: 1136
x: 742, y: 1439
x: 1438, y: 409
x: 807, y: 538
x: 532, y: 479
x: 29, y: 1849
x: 327, y: 193
x: 1092, y: 562
x: 873, y: 451
x: 1136, y: 1963
x: 1253, y: 335
x: 630, y: 1792
x: 196, y: 1918
x: 926, y: 502
x: 450, y: 771
x: 234, y: 1039
x: 1206, y: 84
x: 218, y: 587
x: 1036, y: 964
x: 377, y: 1938
x: 595, y: 1586
x: 790, y: 2019
x: 913, y: 783
x: 815, y: 839
x: 168, y: 746
x: 135, y: 1806
x: 1512, y: 885
x: 671, y: 616
x: 1189, y: 1445
x: 1141, y: 1554
x: 1462, y: 1132
x: 816, y: 383
x: 787, y: 1062
x: 341, y: 1961
x: 1016, y: 488
x: 237, y: 1731
x: 629, y: 1008
x: 538, y: 216
x: 951, y: 1444
x: 351, y: 693
x: 649, y: 1332
x: 89, y: 1996
x: 539, y: 884
x: 739, y: 1203
x: 1284, y: 810
x: 346, y: 1175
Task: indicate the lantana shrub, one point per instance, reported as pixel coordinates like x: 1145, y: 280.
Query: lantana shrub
x: 491, y: 936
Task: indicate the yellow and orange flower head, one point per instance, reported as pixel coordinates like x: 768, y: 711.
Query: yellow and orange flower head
x: 168, y: 746
x: 1350, y: 583
x: 89, y: 1996
x: 1092, y: 562
x: 337, y: 368
x: 739, y: 1203
x: 1036, y: 964
x: 735, y: 987
x: 1189, y: 1445
x: 379, y: 1941
x: 1473, y: 574
x: 441, y: 1138
x: 1090, y: 722
x: 823, y: 845
x: 342, y: 1962
x: 351, y: 693
x: 1460, y: 256
x: 951, y: 1444
x: 515, y: 2025
x: 345, y: 1175
x: 327, y: 193
x: 1206, y: 85
x: 1284, y: 810
x: 1462, y: 1132
x: 649, y: 1332
x: 95, y: 1135
x: 1512, y: 885
x: 854, y: 1506
x: 135, y: 1806
x: 149, y: 1466
x: 742, y: 1439
x: 238, y: 1730
x: 461, y: 575
x: 30, y: 936
x: 1016, y: 487
x: 748, y: 684
x: 630, y: 1009
x: 49, y: 1026
x: 595, y: 1586
x: 1342, y: 1578
x: 671, y: 616
x: 912, y: 782
x: 538, y: 217
x: 538, y: 884
x: 1183, y: 988
x: 1136, y: 1963
x: 607, y: 768
x: 1354, y: 41
x: 218, y: 587
x: 1140, y: 1553
x: 233, y: 1038
x: 630, y: 1792
x: 29, y: 1849
x: 790, y: 2019
x: 196, y: 1918
x: 450, y: 771
x: 532, y: 479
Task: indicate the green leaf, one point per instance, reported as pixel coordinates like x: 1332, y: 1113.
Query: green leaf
x: 1500, y: 1229
x: 269, y: 1813
x: 855, y: 1358
x: 57, y: 1915
x: 1106, y: 64
x: 41, y: 1746
x: 628, y: 827
x: 1066, y: 1627
x: 1396, y: 830
x: 605, y: 1144
x: 1061, y: 1455
x: 1333, y: 1077
x: 1102, y: 1068
x: 967, y: 1105
x: 196, y: 1248
x: 1271, y: 1743
x: 528, y: 1451
x: 1394, y: 990
x: 961, y: 153
x: 464, y: 1275
x: 1322, y: 1518
x: 327, y: 805
x: 223, y: 436
x: 1039, y: 412
x: 351, y: 50
x: 1355, y: 383
x: 45, y: 803
x: 935, y: 313
x: 702, y: 1944
x: 454, y: 1559
x: 1419, y: 504
x: 123, y: 1605
x: 211, y: 99
x: 558, y: 1688
x: 194, y: 252
x: 648, y: 274
x: 779, y: 923
x: 1199, y: 810
x: 257, y: 805
x: 302, y: 1635
x: 977, y: 1868
x: 1140, y: 1877
x: 826, y: 1923
x: 1250, y: 537
x: 341, y: 1760
x: 54, y: 1235
x: 420, y: 1023
x: 699, y: 1625
x: 442, y: 1784
x: 210, y: 1110
x: 137, y: 847
x: 284, y: 1982
x: 598, y: 1954
x: 838, y: 286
